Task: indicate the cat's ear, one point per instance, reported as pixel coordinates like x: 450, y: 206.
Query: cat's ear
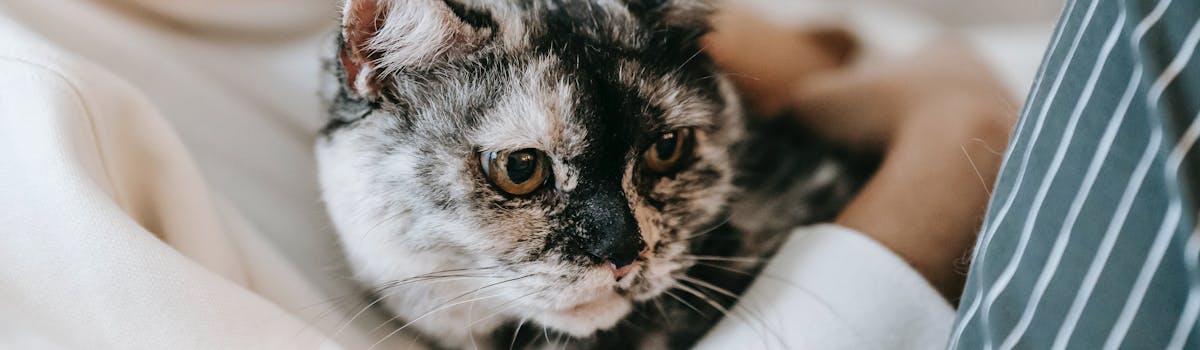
x: 692, y: 14
x: 676, y: 26
x: 382, y: 36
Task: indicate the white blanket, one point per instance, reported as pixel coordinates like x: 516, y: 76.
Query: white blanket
x: 125, y: 126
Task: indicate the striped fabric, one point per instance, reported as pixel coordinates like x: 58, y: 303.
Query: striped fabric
x: 1089, y: 241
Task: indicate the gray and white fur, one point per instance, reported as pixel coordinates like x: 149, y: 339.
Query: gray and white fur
x: 425, y: 87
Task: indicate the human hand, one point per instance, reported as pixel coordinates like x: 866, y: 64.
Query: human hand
x: 939, y: 119
x: 768, y: 61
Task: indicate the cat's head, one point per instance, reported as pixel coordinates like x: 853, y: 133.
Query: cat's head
x: 568, y: 148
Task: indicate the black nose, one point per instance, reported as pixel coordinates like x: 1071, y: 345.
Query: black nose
x: 619, y: 254
x: 610, y: 232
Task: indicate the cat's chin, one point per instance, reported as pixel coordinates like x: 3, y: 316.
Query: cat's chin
x: 586, y: 318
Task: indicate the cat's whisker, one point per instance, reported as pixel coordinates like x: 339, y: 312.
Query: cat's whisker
x: 662, y: 310
x: 634, y: 325
x: 398, y: 283
x: 726, y: 311
x: 759, y: 275
x: 474, y: 291
x: 380, y: 288
x: 703, y: 297
x: 334, y: 302
x: 381, y: 222
x: 347, y: 323
x: 745, y: 259
x: 757, y: 315
x: 729, y: 75
x: 444, y: 306
x: 513, y: 342
x: 708, y: 230
x: 685, y: 303
x: 504, y: 307
x: 710, y: 286
x: 746, y: 307
x: 441, y: 274
x: 426, y: 314
x: 470, y: 318
x: 725, y: 268
x: 689, y: 60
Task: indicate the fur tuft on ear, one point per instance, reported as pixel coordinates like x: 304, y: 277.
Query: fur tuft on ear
x: 383, y: 36
x: 361, y: 21
x: 673, y: 13
x: 687, y: 13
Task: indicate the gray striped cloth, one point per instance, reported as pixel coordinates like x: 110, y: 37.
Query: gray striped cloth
x: 1089, y: 241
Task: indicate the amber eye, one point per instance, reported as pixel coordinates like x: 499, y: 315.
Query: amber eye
x: 519, y: 172
x: 669, y: 151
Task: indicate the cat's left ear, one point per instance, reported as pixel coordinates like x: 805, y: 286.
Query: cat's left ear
x: 678, y: 14
x: 382, y: 36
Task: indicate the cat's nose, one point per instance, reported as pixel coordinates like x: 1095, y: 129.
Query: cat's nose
x: 618, y: 251
x: 620, y: 258
x: 619, y: 271
x: 609, y: 232
x: 621, y: 253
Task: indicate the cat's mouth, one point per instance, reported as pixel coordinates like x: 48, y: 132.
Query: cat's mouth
x: 601, y: 298
x: 585, y: 318
x: 593, y: 305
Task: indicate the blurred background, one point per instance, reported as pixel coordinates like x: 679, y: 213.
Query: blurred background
x: 238, y: 80
x: 1009, y: 35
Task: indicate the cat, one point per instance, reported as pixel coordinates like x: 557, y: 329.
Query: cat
x: 501, y: 173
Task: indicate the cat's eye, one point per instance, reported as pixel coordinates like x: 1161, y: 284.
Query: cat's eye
x: 518, y: 172
x: 669, y: 150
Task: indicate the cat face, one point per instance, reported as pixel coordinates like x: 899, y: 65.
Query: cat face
x: 565, y: 151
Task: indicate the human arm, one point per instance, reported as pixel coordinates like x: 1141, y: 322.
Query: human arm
x: 938, y: 119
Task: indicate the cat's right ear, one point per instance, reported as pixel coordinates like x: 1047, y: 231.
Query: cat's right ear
x: 380, y: 37
x: 361, y: 21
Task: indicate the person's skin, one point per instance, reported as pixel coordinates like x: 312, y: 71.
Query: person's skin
x: 939, y: 120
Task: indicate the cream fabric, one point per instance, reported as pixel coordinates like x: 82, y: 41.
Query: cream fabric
x: 126, y: 124
x: 832, y: 288
x: 111, y: 237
